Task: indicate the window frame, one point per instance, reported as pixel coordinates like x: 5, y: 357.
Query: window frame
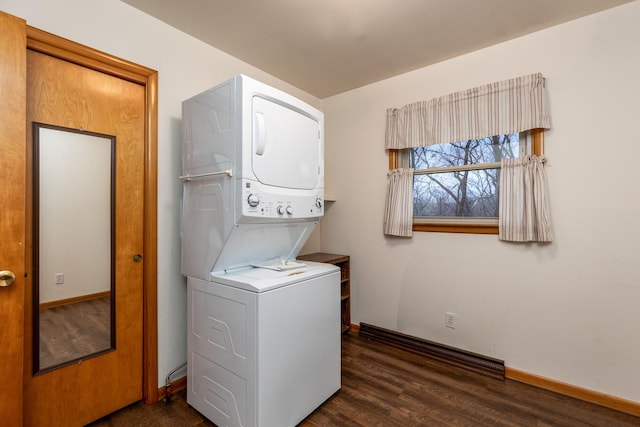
x: 450, y: 225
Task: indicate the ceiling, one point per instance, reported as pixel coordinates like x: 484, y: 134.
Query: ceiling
x: 332, y: 46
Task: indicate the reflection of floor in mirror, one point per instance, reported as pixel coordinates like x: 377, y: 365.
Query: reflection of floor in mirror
x: 71, y: 331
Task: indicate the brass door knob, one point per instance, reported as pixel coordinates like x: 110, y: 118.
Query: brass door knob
x: 6, y: 278
x: 137, y: 258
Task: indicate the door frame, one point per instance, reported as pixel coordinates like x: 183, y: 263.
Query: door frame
x: 58, y: 47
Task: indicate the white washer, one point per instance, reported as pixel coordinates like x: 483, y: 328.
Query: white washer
x: 263, y: 345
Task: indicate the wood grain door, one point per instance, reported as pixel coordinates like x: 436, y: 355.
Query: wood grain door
x: 64, y: 94
x: 12, y: 213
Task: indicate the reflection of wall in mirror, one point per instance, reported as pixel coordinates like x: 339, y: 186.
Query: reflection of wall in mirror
x: 75, y: 214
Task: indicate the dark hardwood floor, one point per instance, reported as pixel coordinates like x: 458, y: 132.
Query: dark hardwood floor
x: 385, y: 386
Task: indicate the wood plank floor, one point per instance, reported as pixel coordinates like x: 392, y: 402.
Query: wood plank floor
x: 76, y: 330
x: 385, y: 386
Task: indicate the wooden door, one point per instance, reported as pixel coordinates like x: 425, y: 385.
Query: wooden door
x: 12, y: 213
x: 62, y: 93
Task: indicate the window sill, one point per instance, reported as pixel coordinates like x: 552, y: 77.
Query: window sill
x: 456, y: 228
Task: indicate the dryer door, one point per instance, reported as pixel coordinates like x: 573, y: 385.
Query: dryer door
x: 287, y: 149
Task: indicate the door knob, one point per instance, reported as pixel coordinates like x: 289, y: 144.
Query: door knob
x: 137, y: 258
x: 6, y: 278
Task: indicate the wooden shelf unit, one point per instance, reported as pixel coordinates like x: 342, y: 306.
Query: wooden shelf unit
x: 341, y: 261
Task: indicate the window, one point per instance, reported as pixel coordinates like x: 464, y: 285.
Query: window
x: 514, y: 105
x: 456, y: 185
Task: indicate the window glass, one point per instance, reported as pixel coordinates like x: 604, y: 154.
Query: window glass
x: 461, y: 179
x: 472, y: 152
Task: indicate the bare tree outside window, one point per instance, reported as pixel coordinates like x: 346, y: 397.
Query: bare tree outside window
x: 460, y: 179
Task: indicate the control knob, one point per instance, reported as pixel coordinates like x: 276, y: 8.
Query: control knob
x: 319, y: 203
x: 253, y: 200
x: 280, y: 210
x: 289, y: 210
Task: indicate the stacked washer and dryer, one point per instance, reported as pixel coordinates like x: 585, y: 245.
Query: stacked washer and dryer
x: 263, y: 329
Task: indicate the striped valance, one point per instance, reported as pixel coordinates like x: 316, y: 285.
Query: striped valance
x: 510, y: 106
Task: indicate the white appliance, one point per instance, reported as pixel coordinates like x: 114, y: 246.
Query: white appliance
x: 263, y: 329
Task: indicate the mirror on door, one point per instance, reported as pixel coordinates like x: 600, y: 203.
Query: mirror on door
x: 73, y: 238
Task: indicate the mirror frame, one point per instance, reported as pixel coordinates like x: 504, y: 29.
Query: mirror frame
x: 37, y: 369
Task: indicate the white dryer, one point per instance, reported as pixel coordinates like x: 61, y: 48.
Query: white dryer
x: 253, y: 166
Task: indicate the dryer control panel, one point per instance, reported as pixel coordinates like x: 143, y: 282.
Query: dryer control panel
x: 258, y: 202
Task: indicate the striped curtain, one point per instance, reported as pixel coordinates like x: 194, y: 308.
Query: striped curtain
x: 398, y: 210
x: 523, y: 209
x: 505, y: 107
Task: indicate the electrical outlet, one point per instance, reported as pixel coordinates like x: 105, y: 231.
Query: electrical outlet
x: 450, y: 320
x: 59, y: 278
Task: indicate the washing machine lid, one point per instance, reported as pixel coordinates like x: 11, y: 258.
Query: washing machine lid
x: 250, y: 243
x: 258, y: 279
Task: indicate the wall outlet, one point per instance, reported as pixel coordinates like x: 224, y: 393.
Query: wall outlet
x: 59, y: 278
x: 450, y: 320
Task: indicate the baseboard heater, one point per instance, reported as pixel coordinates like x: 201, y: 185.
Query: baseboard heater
x: 454, y: 356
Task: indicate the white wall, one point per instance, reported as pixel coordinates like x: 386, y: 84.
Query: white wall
x: 568, y: 310
x: 185, y: 67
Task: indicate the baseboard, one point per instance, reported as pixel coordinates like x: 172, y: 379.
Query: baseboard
x: 177, y: 385
x: 602, y: 399
x: 72, y: 300
x: 454, y: 356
